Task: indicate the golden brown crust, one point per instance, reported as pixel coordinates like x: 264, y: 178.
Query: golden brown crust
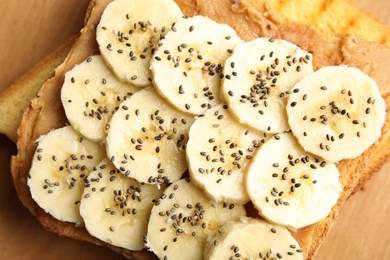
x: 16, y: 97
x: 251, y: 19
x: 380, y: 154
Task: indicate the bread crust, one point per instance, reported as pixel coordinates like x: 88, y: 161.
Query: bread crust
x: 251, y: 19
x: 16, y: 97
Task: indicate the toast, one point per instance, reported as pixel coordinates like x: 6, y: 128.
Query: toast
x: 257, y: 16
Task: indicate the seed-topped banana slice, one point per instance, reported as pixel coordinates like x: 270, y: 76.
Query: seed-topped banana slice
x: 187, y: 67
x: 250, y: 238
x: 289, y: 186
x: 56, y: 177
x: 258, y: 76
x: 147, y: 138
x: 116, y: 208
x: 90, y: 95
x: 184, y: 218
x: 336, y: 112
x: 129, y: 33
x: 218, y: 151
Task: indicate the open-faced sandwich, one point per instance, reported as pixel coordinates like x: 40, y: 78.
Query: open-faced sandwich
x: 203, y: 130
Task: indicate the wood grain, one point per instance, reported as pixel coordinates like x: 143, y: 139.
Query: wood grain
x: 31, y: 29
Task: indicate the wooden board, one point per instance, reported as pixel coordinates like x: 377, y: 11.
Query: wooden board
x: 31, y: 29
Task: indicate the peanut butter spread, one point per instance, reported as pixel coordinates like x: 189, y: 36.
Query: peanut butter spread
x: 250, y: 19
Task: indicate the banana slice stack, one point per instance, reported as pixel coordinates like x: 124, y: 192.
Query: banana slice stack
x: 187, y: 68
x: 91, y: 95
x: 258, y: 76
x: 179, y: 125
x: 183, y: 220
x: 56, y: 177
x: 129, y: 33
x: 147, y: 138
x: 218, y: 152
x: 116, y: 208
x: 336, y: 112
x: 252, y: 237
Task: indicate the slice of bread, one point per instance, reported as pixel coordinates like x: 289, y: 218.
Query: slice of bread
x: 251, y: 19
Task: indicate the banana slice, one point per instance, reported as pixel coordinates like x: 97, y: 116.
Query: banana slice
x: 147, y: 138
x: 250, y: 238
x: 56, y: 177
x: 183, y: 219
x: 116, y: 208
x: 90, y: 95
x: 336, y: 112
x: 258, y: 76
x: 289, y: 186
x: 129, y: 33
x: 218, y: 151
x: 187, y: 67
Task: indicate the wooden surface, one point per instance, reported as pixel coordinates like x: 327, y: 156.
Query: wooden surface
x: 29, y: 30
